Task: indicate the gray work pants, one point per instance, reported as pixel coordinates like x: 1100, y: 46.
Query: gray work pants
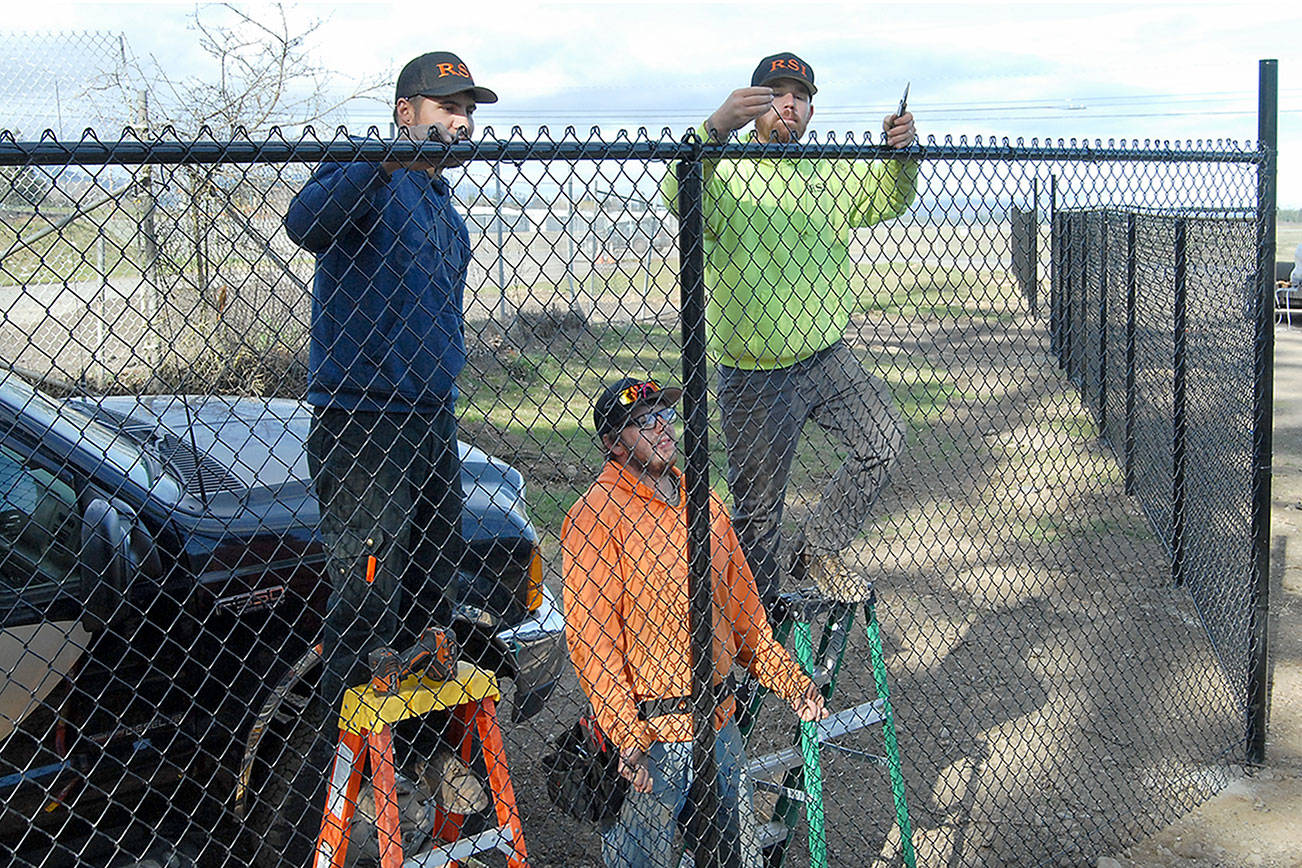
x: 389, y: 486
x: 764, y: 413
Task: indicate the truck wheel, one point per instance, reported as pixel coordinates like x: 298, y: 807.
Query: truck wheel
x: 285, y: 814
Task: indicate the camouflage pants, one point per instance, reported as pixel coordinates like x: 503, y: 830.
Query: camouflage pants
x: 764, y: 413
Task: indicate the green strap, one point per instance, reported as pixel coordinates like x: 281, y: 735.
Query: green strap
x: 813, y: 760
x: 888, y: 736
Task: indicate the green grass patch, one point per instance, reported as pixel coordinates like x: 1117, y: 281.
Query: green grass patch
x: 70, y: 254
x: 907, y: 293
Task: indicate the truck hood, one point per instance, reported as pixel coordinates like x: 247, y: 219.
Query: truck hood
x: 230, y: 454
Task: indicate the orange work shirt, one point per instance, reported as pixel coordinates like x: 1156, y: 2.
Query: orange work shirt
x: 626, y: 608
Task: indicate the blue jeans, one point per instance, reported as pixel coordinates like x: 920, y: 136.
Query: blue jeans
x: 645, y: 834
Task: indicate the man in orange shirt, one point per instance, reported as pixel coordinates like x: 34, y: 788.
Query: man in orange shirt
x: 626, y: 612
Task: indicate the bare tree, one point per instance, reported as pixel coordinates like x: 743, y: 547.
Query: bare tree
x: 263, y: 72
x: 200, y: 240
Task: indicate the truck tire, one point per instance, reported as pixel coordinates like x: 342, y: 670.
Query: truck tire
x: 285, y: 812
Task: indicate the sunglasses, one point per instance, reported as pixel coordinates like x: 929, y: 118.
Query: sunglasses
x: 647, y: 421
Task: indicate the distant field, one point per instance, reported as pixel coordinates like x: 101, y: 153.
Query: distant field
x: 1287, y: 238
x: 249, y: 311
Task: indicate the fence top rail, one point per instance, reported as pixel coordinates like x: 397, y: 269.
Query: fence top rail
x: 168, y: 148
x: 1196, y: 212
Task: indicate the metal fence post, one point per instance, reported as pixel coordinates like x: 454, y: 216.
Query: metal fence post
x: 1077, y: 366
x: 569, y: 237
x: 1263, y: 414
x: 1103, y: 323
x: 1130, y: 354
x: 691, y: 246
x: 502, y: 303
x: 1055, y: 272
x: 1034, y: 252
x: 1179, y: 425
x: 1065, y: 287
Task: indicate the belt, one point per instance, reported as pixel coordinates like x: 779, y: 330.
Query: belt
x: 649, y: 708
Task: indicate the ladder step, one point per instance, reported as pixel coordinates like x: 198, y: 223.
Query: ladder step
x: 844, y: 721
x: 496, y: 838
x: 771, y: 834
x: 769, y: 765
x: 851, y: 719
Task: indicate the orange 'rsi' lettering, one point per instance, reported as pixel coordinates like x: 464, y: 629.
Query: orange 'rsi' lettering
x: 450, y: 69
x: 787, y: 63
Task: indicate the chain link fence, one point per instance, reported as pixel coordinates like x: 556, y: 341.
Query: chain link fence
x: 1062, y: 344
x: 1168, y: 410
x: 63, y: 82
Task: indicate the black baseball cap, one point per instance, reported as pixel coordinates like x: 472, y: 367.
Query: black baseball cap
x: 439, y: 73
x: 620, y: 402
x: 784, y: 65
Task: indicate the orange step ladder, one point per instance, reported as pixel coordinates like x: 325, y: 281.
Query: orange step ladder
x: 366, y: 717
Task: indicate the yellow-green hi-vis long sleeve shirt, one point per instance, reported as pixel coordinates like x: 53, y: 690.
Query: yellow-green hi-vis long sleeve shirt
x: 777, y: 247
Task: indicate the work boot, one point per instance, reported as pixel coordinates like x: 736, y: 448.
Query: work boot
x: 415, y: 822
x: 456, y: 788
x: 433, y: 656
x: 834, y: 579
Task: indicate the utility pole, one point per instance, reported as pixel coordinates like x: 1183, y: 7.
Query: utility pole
x: 149, y: 246
x: 502, y: 303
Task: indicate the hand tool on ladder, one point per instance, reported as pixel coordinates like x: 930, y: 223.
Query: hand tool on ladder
x: 424, y: 679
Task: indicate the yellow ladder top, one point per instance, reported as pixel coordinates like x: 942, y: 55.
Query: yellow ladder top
x: 364, y: 710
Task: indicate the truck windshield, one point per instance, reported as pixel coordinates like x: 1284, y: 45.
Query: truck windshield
x: 76, y: 425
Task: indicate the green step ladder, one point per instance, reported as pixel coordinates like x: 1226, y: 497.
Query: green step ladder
x: 801, y: 765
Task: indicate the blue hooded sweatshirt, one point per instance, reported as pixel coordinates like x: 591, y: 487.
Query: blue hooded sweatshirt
x: 391, y: 260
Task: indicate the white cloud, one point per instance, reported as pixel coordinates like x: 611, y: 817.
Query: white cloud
x: 672, y: 62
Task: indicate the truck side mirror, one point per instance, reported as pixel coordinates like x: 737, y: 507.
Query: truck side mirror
x: 106, y: 560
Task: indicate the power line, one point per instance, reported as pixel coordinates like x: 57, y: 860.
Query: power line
x: 1083, y: 108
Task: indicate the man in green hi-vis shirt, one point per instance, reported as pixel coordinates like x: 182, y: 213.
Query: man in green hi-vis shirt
x: 777, y: 237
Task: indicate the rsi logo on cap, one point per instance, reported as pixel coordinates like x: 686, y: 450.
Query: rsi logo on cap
x: 789, y: 63
x: 458, y: 69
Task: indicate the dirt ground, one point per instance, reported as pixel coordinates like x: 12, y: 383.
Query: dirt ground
x: 1257, y: 820
x: 1018, y: 585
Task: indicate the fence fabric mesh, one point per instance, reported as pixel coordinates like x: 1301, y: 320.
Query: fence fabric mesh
x: 960, y: 432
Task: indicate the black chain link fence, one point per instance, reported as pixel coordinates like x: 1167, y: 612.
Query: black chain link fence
x: 1163, y: 395
x: 1062, y: 560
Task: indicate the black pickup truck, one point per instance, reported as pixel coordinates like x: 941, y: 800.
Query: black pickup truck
x: 161, y: 594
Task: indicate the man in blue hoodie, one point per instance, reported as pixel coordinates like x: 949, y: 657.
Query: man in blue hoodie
x: 387, y: 344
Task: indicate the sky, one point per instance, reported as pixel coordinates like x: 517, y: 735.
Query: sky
x: 1155, y: 71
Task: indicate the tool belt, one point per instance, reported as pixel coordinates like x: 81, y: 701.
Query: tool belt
x: 582, y: 772
x: 652, y: 708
